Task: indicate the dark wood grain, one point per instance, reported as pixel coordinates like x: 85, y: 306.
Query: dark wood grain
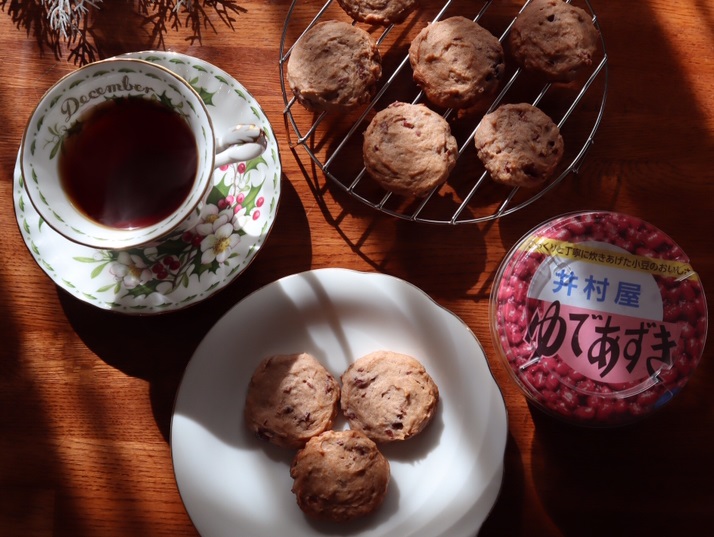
x: 85, y: 410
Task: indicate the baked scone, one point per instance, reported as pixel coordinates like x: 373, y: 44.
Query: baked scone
x: 554, y: 39
x: 382, y: 12
x: 290, y: 399
x: 388, y: 396
x: 409, y: 149
x: 519, y: 145
x: 335, y: 66
x: 456, y: 62
x: 339, y: 475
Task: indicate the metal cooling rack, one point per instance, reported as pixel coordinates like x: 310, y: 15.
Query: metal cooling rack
x: 332, y: 142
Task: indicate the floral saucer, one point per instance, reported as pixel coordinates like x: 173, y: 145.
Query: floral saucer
x: 184, y: 268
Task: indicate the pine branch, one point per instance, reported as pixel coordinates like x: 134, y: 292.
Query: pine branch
x: 81, y: 45
x: 60, y: 25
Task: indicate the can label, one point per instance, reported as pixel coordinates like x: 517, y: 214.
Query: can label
x: 600, y: 310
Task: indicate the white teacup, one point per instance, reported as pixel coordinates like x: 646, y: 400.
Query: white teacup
x: 64, y: 110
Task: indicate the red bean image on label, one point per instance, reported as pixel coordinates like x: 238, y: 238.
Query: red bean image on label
x: 599, y: 317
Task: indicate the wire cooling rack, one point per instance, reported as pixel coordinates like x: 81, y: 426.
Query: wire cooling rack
x: 334, y: 142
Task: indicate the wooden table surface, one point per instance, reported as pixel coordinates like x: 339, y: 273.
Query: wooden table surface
x: 86, y: 395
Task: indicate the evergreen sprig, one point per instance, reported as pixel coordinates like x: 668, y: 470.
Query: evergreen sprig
x: 66, y: 25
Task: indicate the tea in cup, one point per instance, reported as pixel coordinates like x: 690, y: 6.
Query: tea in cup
x: 121, y: 152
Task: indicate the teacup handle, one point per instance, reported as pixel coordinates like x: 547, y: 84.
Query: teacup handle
x: 241, y: 143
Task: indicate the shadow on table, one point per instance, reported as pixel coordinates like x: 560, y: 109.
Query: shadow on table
x: 26, y: 457
x: 410, y: 250
x: 503, y: 518
x: 648, y: 478
x: 157, y: 348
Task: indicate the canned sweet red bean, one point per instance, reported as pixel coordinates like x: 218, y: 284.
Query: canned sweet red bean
x: 599, y: 317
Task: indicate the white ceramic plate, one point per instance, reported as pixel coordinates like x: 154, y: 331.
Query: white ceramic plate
x: 444, y: 481
x: 179, y: 270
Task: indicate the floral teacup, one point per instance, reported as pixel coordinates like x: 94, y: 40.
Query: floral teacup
x: 63, y: 111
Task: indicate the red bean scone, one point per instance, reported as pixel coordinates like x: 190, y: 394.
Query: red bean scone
x: 409, y: 149
x: 290, y: 399
x: 334, y: 67
x: 519, y: 145
x: 382, y: 12
x: 456, y: 62
x: 553, y: 38
x: 339, y: 476
x: 388, y: 396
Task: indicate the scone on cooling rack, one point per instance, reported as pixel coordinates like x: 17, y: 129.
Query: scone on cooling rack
x: 408, y: 149
x: 519, y: 145
x: 456, y: 62
x: 334, y: 66
x: 381, y: 12
x: 553, y: 39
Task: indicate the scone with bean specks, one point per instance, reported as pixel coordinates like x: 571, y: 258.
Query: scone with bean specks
x: 290, y: 399
x: 388, y: 396
x: 409, y: 149
x: 382, y: 12
x: 334, y: 67
x: 554, y: 39
x: 339, y: 476
x: 519, y: 145
x: 457, y: 62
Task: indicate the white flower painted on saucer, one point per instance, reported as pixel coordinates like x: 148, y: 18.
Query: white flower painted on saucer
x: 212, y: 218
x: 130, y: 270
x: 218, y: 245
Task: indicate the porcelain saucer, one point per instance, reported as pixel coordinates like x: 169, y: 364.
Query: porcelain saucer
x: 443, y: 482
x: 185, y: 268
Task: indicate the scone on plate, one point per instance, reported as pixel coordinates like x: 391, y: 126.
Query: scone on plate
x: 388, y: 396
x: 382, y: 12
x: 290, y: 399
x: 457, y: 62
x: 334, y: 66
x: 409, y: 149
x: 553, y: 39
x: 519, y: 145
x: 339, y: 476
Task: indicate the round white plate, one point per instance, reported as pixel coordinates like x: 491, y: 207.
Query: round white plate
x: 444, y: 481
x: 181, y: 269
